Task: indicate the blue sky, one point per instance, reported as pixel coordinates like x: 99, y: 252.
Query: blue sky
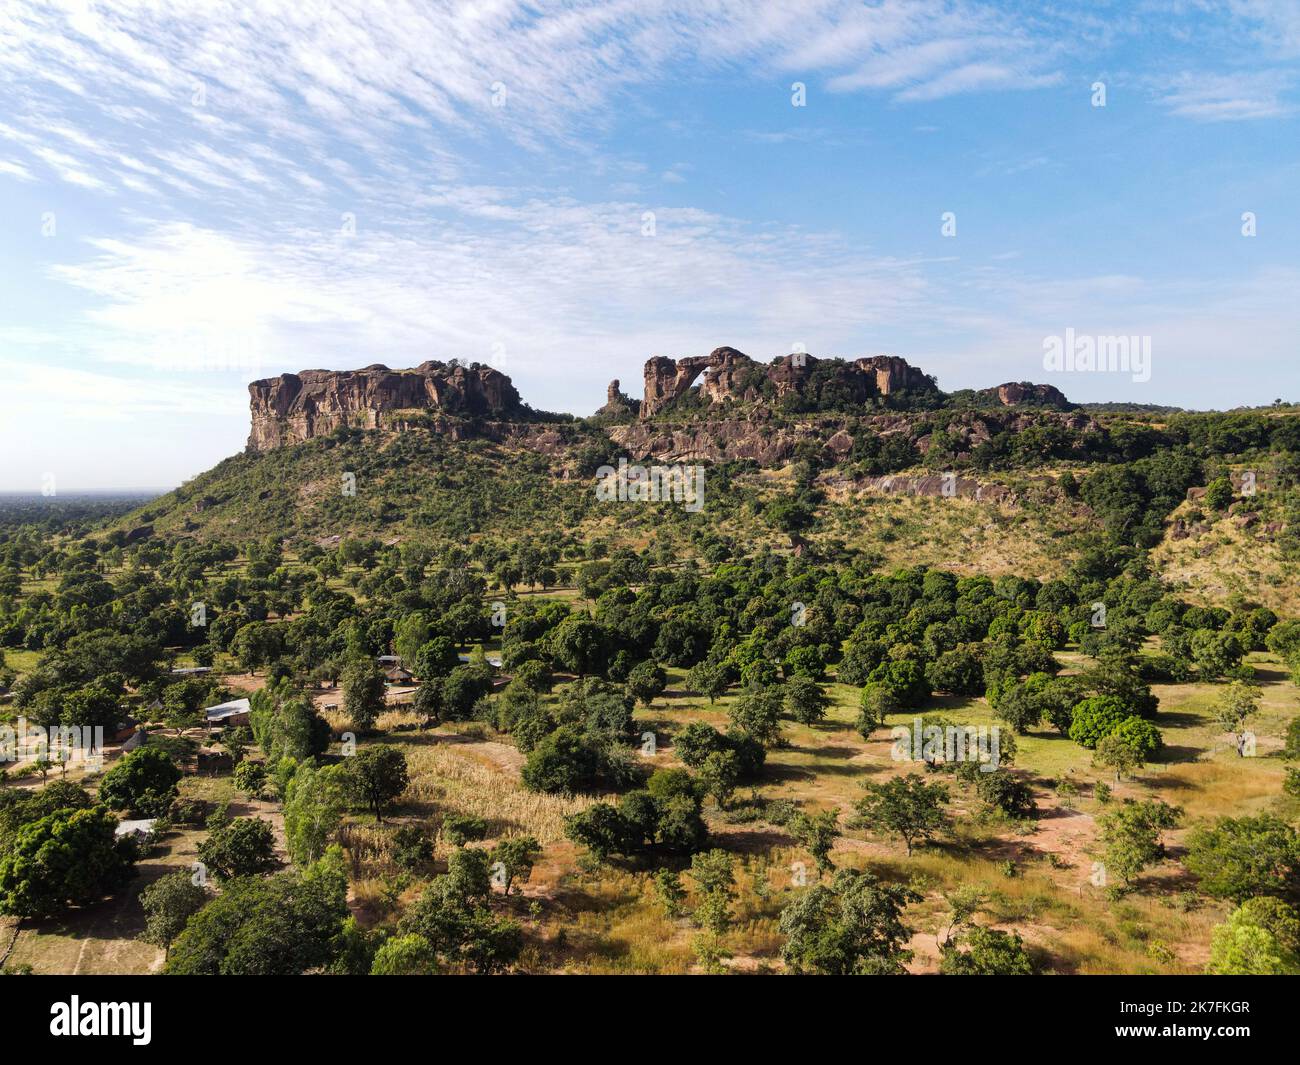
x: 192, y: 197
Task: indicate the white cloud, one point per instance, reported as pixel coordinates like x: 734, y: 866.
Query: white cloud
x: 1228, y: 97
x: 551, y: 282
x: 13, y: 169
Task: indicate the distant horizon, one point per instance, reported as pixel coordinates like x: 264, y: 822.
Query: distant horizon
x: 66, y: 493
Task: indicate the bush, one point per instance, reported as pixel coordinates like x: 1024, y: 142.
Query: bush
x: 250, y: 777
x: 1004, y: 792
x: 459, y: 829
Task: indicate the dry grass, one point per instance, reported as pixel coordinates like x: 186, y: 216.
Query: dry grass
x: 452, y: 778
x: 1228, y: 560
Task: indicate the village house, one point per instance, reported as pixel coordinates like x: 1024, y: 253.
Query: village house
x: 232, y: 714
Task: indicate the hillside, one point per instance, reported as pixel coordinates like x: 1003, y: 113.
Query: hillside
x: 868, y: 456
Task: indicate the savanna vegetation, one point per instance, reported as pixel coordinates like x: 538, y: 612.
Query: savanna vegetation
x: 808, y: 729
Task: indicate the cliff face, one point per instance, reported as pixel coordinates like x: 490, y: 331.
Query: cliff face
x: 757, y: 434
x: 1015, y: 393
x: 295, y: 407
x: 731, y: 374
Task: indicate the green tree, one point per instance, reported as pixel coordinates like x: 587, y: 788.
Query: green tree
x: 565, y: 762
x: 168, y: 903
x: 907, y: 807
x: 409, y: 955
x: 410, y: 635
x: 376, y: 778
x: 718, y: 775
x: 696, y: 742
x: 91, y: 706
x: 143, y: 783
x: 254, y: 645
x: 817, y: 834
x: 1261, y: 937
x: 244, y: 847
x: 65, y: 858
x: 875, y: 706
x: 1237, y: 703
x: 314, y: 803
x: 959, y: 671
x: 579, y: 645
x: 1131, y: 832
x: 515, y: 858
x: 1239, y: 858
x: 1215, y: 653
x: 905, y: 680
x: 805, y: 701
x: 852, y: 926
x: 707, y: 678
x: 1114, y: 753
x: 363, y: 693
x: 434, y: 658
x: 1218, y: 494
x: 453, y: 917
x: 668, y: 887
x: 1097, y: 717
x: 714, y: 873
x: 1141, y: 736
x: 991, y: 953
x: 646, y: 682
x: 757, y: 711
x: 279, y: 925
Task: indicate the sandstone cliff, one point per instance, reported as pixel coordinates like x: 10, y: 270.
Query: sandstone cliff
x: 732, y: 375
x: 1015, y: 393
x: 295, y: 407
x: 730, y: 418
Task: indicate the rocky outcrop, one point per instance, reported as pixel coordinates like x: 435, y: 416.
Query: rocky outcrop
x: 732, y: 375
x: 742, y: 410
x: 768, y: 438
x: 941, y: 486
x: 617, y: 404
x: 667, y: 379
x: 1015, y: 393
x: 893, y: 374
x: 295, y: 407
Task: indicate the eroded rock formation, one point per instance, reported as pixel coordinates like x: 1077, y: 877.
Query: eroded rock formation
x: 296, y: 407
x: 732, y: 375
x: 617, y: 405
x: 1014, y: 393
x: 742, y: 398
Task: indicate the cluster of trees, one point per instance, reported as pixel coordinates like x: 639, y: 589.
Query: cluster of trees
x: 58, y: 848
x: 663, y: 818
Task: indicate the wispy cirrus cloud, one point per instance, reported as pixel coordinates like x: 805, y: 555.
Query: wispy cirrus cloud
x: 407, y: 79
x: 1228, y: 97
